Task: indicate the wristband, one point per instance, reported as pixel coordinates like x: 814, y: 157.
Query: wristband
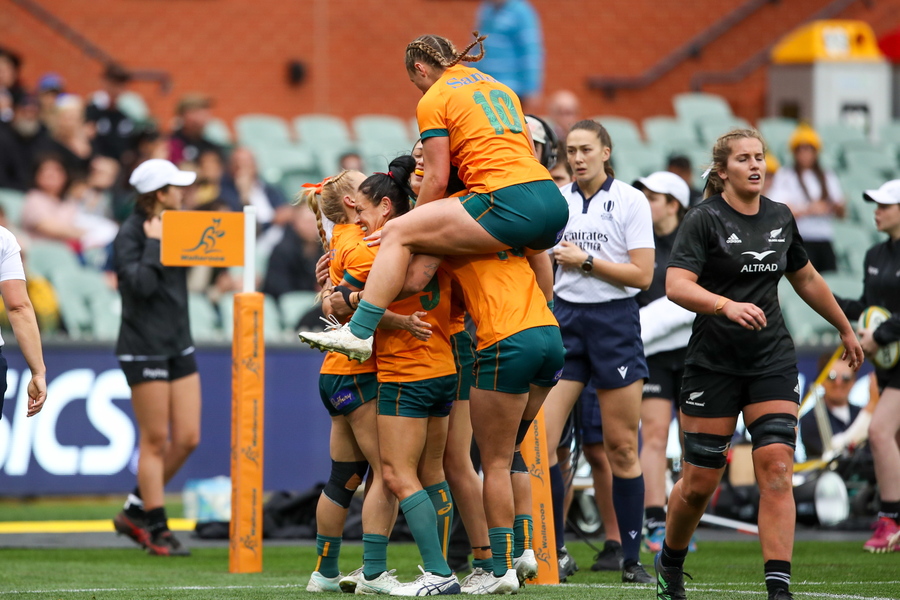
x: 721, y: 301
x: 345, y: 292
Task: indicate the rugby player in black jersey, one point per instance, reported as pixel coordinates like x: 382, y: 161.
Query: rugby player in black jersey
x: 728, y: 257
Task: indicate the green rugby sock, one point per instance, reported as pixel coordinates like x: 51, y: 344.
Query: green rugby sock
x: 422, y: 521
x: 501, y: 549
x: 328, y: 548
x: 522, y: 531
x: 365, y: 320
x: 442, y: 501
x: 374, y: 555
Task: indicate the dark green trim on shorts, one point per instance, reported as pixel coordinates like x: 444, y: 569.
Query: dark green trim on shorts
x: 342, y: 394
x: 418, y: 399
x: 353, y: 280
x: 435, y: 133
x: 532, y: 356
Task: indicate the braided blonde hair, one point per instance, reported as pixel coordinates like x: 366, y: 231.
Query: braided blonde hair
x: 720, y: 153
x: 326, y: 198
x: 439, y: 52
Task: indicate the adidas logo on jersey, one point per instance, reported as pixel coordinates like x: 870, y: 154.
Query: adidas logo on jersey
x: 733, y: 239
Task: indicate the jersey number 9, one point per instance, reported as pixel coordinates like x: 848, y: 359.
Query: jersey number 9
x: 496, y: 111
x: 431, y: 294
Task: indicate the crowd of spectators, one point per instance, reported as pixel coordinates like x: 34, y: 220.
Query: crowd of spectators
x: 71, y: 157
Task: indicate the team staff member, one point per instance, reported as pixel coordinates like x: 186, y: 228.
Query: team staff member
x: 728, y: 257
x: 665, y: 330
x: 469, y: 120
x: 156, y: 353
x: 881, y: 287
x: 24, y: 323
x: 605, y: 258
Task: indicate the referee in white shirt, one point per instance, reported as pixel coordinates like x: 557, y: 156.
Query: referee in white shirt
x: 606, y: 257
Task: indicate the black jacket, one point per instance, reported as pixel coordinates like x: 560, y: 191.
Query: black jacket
x: 155, y: 321
x: 881, y: 287
x: 809, y: 430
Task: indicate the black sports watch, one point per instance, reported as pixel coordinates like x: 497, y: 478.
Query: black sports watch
x: 588, y: 265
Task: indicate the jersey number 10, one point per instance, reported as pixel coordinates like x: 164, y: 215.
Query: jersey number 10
x: 496, y: 111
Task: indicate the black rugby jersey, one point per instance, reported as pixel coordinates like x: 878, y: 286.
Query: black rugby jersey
x: 657, y: 287
x: 155, y: 321
x: 741, y: 257
x: 881, y: 287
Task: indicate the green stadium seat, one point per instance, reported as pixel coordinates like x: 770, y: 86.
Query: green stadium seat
x: 12, y: 202
x: 414, y: 128
x: 806, y: 326
x: 315, y: 129
x: 844, y: 285
x: 384, y: 129
x: 204, y: 319
x: 622, y: 130
x: 276, y: 160
x: 710, y: 129
x: 838, y: 134
x: 106, y: 313
x: 76, y: 287
x: 670, y: 135
x: 890, y: 133
x: 217, y: 132
x: 134, y: 106
x: 851, y: 242
x: 695, y: 108
x: 293, y: 306
x: 47, y: 258
x: 882, y: 160
x: 638, y: 161
x: 776, y: 132
x: 262, y: 130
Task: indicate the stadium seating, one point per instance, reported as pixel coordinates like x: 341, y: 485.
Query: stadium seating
x: 204, y: 319
x: 134, y: 107
x: 623, y: 131
x: 262, y: 130
x: 712, y: 128
x: 293, y: 306
x: 217, y: 132
x: 47, y: 258
x: 696, y: 108
x: 105, y: 305
x: 76, y: 288
x: 12, y: 202
x: 271, y: 317
x: 776, y: 132
x: 670, y: 135
x: 850, y: 244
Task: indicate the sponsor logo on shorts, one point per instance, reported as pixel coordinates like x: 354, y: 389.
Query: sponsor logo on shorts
x: 149, y: 373
x: 622, y: 371
x: 342, y: 399
x: 692, y: 399
x: 652, y: 388
x: 733, y: 239
x: 633, y: 534
x: 797, y: 388
x: 873, y: 270
x: 557, y: 375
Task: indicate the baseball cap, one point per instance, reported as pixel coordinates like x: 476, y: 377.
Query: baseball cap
x: 665, y: 182
x: 889, y: 193
x: 157, y: 173
x: 50, y: 82
x: 538, y: 133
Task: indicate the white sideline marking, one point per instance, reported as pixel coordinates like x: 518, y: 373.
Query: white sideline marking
x: 709, y: 587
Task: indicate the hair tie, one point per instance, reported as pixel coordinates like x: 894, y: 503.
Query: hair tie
x: 317, y: 187
x: 706, y: 172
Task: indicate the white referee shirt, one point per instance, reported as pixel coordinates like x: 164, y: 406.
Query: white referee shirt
x: 607, y: 225
x: 10, y: 259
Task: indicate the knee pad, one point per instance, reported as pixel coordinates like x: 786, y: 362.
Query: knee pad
x: 524, y: 426
x: 345, y: 478
x: 778, y: 428
x: 518, y: 463
x: 706, y: 450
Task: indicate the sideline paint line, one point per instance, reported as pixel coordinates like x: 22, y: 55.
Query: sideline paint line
x: 755, y: 592
x: 169, y: 588
x: 106, y: 525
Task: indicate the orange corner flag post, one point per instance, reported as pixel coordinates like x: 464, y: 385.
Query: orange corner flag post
x: 534, y: 451
x: 229, y: 240
x: 247, y: 402
x: 248, y: 369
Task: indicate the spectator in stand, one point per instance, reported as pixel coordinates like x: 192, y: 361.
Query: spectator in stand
x: 351, y: 161
x: 563, y: 110
x: 19, y: 140
x: 95, y: 193
x: 681, y: 166
x: 292, y: 264
x: 10, y: 87
x: 71, y: 136
x: 514, y: 48
x: 187, y: 142
x: 210, y: 170
x: 49, y: 88
x: 46, y: 213
x: 242, y: 186
x: 813, y: 194
x: 115, y: 134
x: 836, y: 397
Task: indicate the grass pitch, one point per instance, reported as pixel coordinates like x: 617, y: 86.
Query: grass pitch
x: 822, y: 570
